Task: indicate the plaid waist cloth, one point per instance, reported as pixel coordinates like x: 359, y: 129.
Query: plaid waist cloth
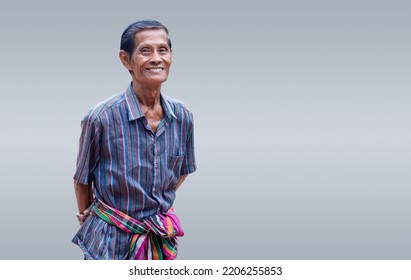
x: 154, y: 238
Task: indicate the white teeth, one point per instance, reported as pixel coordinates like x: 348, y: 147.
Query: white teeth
x: 155, y: 69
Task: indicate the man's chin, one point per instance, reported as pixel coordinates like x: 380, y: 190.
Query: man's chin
x: 152, y: 82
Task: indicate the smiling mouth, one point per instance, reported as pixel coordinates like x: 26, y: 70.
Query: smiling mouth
x: 156, y: 70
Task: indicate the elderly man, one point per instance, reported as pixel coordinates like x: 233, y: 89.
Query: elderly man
x: 136, y: 149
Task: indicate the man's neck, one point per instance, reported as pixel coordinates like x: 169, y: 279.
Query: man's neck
x: 147, y: 96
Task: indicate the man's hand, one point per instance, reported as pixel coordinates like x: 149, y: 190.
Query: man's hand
x: 180, y: 181
x: 84, y: 200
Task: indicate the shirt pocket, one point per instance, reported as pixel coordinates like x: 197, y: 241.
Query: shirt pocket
x: 174, y: 165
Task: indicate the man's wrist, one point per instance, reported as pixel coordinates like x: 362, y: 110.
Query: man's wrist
x: 81, y: 217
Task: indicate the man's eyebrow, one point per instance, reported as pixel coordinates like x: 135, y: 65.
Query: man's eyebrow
x: 142, y: 45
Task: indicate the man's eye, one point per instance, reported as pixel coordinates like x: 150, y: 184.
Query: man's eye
x: 163, y: 50
x: 145, y: 51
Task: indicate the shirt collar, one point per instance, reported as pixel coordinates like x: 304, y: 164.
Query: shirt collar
x: 167, y: 108
x: 134, y: 110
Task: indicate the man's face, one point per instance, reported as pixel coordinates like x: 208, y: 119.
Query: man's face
x: 151, y: 58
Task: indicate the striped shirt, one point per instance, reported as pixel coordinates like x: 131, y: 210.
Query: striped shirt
x: 131, y: 168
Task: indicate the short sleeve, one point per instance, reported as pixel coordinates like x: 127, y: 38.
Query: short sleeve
x: 89, y: 151
x: 189, y: 163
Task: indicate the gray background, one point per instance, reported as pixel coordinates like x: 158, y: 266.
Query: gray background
x: 301, y: 109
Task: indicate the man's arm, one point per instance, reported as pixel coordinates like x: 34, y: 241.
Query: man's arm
x: 83, y: 196
x: 180, y: 181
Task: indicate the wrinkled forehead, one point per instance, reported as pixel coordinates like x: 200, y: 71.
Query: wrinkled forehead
x: 153, y: 36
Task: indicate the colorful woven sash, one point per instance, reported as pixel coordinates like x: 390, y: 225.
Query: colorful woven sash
x: 154, y: 238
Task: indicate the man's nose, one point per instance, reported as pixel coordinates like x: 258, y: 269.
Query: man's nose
x: 155, y: 57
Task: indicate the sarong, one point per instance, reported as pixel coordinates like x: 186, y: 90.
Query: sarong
x: 154, y: 238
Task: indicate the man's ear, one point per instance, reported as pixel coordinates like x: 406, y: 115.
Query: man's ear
x: 125, y: 59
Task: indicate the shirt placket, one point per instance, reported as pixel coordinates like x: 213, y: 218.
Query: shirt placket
x: 156, y: 192
x: 155, y: 164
